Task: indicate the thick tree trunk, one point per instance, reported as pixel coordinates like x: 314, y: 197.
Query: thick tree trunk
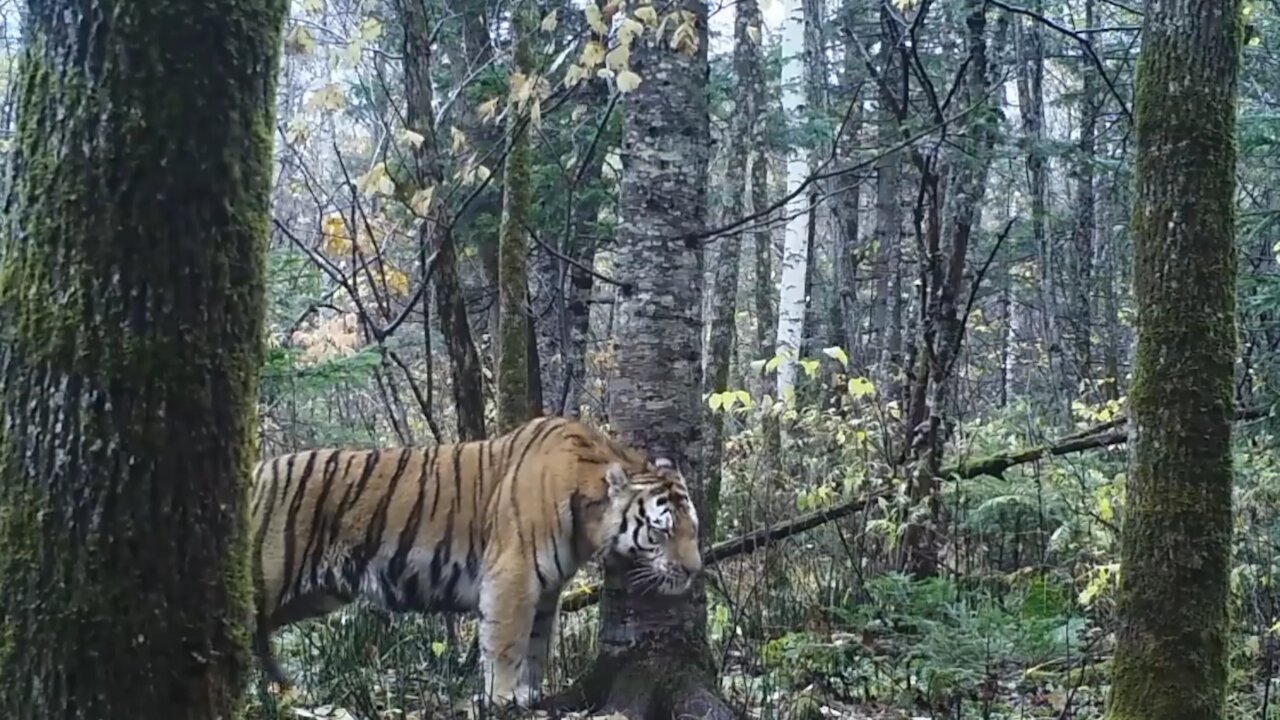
x: 512, y: 363
x: 653, y: 660
x: 131, y: 320
x: 437, y: 229
x: 1172, y: 644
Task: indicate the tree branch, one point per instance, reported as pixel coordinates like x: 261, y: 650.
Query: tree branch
x: 1100, y: 436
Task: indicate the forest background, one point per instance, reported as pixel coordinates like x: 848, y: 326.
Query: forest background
x: 915, y: 327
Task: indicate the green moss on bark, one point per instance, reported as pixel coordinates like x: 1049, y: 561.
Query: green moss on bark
x: 514, y: 406
x: 131, y: 319
x: 1171, y: 656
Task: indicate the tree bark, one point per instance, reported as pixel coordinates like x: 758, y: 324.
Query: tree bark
x: 131, y: 318
x: 514, y: 326
x: 795, y: 249
x: 1082, y: 231
x: 436, y: 231
x: 1172, y: 643
x: 653, y: 659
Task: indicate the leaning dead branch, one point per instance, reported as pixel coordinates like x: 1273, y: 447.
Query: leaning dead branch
x: 1113, y: 432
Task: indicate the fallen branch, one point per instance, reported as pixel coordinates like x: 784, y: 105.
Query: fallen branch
x: 1102, y: 435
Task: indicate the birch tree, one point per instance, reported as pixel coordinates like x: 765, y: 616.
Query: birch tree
x: 795, y: 250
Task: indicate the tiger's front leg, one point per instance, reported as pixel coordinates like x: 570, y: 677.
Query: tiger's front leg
x: 507, y: 607
x: 535, y: 660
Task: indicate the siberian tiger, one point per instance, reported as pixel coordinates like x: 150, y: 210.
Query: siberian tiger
x: 496, y: 526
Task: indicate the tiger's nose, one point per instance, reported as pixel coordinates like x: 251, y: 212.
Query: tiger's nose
x: 692, y: 566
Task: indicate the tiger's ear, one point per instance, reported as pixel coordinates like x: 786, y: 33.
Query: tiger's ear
x: 616, y: 477
x: 663, y: 463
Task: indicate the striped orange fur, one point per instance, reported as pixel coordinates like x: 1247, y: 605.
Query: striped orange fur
x: 495, y: 526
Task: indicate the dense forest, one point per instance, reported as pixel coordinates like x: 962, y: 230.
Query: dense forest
x: 930, y: 300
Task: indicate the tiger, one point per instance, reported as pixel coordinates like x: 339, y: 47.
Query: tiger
x: 496, y: 527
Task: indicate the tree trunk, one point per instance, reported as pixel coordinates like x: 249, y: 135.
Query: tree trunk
x: 943, y: 326
x: 1082, y: 231
x: 513, y: 250
x: 1172, y: 643
x: 436, y: 230
x: 748, y: 70
x: 653, y: 659
x: 795, y: 250
x: 131, y: 322
x: 887, y: 291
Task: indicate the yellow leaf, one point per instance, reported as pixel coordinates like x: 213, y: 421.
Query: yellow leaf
x: 482, y: 173
x: 397, y: 282
x: 618, y: 58
x: 1255, y: 41
x: 535, y: 112
x: 630, y: 30
x: 628, y: 81
x: 300, y: 41
x: 487, y: 109
x: 592, y: 54
x: 753, y: 32
x: 334, y: 229
x: 370, y: 29
x: 549, y: 22
x: 413, y: 138
x: 420, y: 203
x: 312, y: 5
x: 648, y: 15
x: 574, y: 75
x: 743, y: 397
x: 685, y: 38
x: 438, y: 648
x: 594, y: 19
x: 458, y: 139
x: 715, y: 401
x: 375, y: 181
x: 837, y: 353
x: 328, y: 97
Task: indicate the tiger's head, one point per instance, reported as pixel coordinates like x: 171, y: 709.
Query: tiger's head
x: 654, y: 527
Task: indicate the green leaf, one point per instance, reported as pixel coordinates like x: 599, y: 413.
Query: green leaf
x: 715, y: 401
x: 743, y: 397
x: 810, y: 367
x: 773, y: 363
x: 438, y: 648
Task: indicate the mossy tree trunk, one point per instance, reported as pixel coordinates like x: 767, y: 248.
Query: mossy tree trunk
x: 1171, y: 651
x: 131, y: 322
x: 653, y: 659
x: 514, y: 406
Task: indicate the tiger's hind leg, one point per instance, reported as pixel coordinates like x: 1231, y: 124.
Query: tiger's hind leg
x: 507, y: 608
x: 545, y: 616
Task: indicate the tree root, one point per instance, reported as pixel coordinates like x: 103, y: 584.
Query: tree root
x: 643, y: 686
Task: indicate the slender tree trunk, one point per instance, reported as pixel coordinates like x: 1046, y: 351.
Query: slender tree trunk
x: 1083, y: 229
x: 654, y: 661
x: 748, y: 69
x: 437, y: 228
x: 943, y: 327
x: 795, y: 251
x: 1171, y: 657
x: 886, y: 306
x: 131, y: 321
x: 513, y: 288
